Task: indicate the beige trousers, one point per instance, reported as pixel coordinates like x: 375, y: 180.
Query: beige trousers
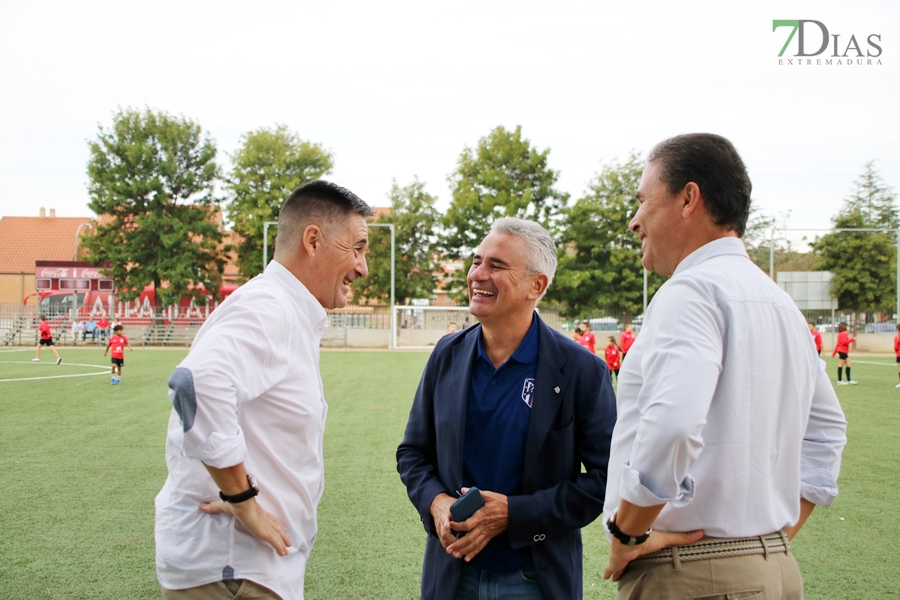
x: 734, y: 578
x: 233, y: 589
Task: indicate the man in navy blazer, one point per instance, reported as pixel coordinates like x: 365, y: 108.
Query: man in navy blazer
x: 514, y: 408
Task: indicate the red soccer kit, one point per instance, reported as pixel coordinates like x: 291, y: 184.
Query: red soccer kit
x: 589, y: 341
x: 897, y: 345
x: 843, y: 343
x: 117, y: 345
x: 627, y: 341
x: 44, y: 328
x: 817, y: 338
x: 613, y: 358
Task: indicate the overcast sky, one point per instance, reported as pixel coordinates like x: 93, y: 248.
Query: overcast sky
x: 398, y: 89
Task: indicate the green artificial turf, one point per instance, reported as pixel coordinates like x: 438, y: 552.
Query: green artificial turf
x: 83, y: 460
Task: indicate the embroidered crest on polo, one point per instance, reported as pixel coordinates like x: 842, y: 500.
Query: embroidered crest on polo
x: 528, y: 391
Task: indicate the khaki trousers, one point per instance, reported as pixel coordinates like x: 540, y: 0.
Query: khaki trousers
x: 733, y: 578
x: 232, y: 589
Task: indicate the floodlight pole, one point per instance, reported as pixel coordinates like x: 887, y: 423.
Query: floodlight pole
x: 393, y: 338
x: 266, y: 226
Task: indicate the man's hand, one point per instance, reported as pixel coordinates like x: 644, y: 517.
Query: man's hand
x: 620, y: 554
x: 258, y: 522
x: 488, y: 521
x: 440, y: 512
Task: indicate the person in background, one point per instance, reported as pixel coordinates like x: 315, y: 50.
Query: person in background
x: 897, y: 352
x: 46, y: 340
x: 627, y: 340
x: 590, y: 342
x: 817, y: 337
x: 90, y: 329
x: 842, y: 349
x: 103, y: 328
x: 613, y: 357
x: 77, y: 330
x: 118, y: 343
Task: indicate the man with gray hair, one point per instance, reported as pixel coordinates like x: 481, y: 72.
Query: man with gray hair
x: 237, y: 515
x: 513, y: 408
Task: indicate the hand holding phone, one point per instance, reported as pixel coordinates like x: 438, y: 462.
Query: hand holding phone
x: 465, y: 507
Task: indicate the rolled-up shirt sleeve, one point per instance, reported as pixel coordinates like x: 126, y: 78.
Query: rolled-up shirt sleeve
x: 685, y: 358
x: 246, y: 353
x: 823, y: 443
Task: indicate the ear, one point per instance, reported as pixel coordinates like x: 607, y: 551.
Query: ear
x: 312, y: 239
x: 539, y: 284
x: 691, y: 199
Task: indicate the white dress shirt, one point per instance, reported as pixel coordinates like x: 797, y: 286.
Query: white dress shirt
x: 725, y: 413
x: 259, y: 400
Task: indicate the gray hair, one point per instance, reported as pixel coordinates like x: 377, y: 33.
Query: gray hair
x: 540, y: 251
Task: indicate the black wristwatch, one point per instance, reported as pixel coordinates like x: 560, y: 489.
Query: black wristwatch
x: 243, y: 496
x: 628, y: 540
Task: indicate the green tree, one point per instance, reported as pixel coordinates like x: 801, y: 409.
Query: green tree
x: 873, y: 199
x: 758, y: 240
x: 599, y: 257
x: 415, y: 221
x: 863, y: 262
x: 503, y: 176
x: 268, y: 166
x: 151, y: 178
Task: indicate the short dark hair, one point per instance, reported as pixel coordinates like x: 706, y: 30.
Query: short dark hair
x: 317, y: 202
x: 117, y: 328
x: 712, y: 162
x: 842, y: 326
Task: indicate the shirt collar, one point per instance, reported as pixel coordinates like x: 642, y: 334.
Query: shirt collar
x: 299, y: 292
x: 527, y: 351
x: 720, y: 247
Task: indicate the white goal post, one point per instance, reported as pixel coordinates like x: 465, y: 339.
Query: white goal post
x: 420, y: 327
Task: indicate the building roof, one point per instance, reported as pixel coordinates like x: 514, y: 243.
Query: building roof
x: 24, y: 240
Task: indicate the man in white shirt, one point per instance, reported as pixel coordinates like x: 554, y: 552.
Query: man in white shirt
x: 248, y: 399
x: 727, y: 426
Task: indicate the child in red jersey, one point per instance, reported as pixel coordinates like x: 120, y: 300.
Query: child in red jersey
x: 588, y: 340
x: 842, y: 349
x: 118, y: 343
x: 817, y: 337
x: 613, y: 357
x: 897, y: 352
x: 626, y: 340
x: 46, y: 340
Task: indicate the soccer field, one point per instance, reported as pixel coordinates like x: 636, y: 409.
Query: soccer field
x: 83, y: 460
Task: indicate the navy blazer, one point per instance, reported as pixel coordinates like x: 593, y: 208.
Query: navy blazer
x: 573, y: 413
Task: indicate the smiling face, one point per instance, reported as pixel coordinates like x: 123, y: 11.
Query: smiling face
x: 341, y: 260
x: 658, y: 223
x: 499, y: 285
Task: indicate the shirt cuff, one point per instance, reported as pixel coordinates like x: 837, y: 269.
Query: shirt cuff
x: 638, y: 494
x: 219, y: 451
x: 818, y: 486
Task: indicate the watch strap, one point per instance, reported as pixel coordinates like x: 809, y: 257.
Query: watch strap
x: 628, y: 540
x: 243, y: 496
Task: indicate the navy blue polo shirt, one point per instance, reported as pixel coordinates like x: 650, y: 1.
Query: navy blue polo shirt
x: 497, y: 415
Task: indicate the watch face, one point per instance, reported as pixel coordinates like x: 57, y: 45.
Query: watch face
x: 252, y: 481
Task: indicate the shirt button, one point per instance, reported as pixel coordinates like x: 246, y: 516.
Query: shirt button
x: 493, y: 382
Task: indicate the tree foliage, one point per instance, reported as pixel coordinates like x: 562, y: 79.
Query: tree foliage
x: 503, y: 176
x: 268, y: 166
x: 151, y: 178
x: 863, y: 262
x: 415, y: 220
x: 599, y: 257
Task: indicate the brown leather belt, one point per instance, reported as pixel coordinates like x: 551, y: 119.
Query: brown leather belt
x: 710, y: 547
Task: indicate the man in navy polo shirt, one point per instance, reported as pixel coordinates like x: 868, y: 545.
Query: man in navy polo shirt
x: 515, y: 409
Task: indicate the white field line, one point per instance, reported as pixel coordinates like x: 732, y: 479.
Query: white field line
x: 866, y: 362
x: 103, y: 372
x: 19, y: 350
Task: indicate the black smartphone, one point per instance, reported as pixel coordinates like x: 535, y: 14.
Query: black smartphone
x: 465, y: 507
